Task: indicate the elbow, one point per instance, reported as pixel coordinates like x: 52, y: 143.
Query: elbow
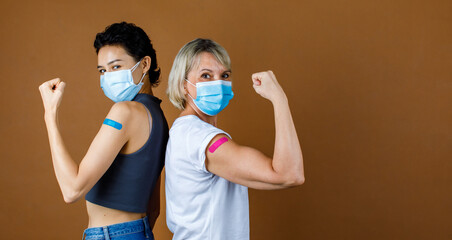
x: 299, y: 180
x: 71, y: 197
x: 294, y: 180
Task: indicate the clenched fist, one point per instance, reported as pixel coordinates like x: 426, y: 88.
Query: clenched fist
x: 266, y: 85
x: 51, y: 94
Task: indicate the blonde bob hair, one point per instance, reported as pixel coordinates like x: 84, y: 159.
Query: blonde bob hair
x: 185, y: 61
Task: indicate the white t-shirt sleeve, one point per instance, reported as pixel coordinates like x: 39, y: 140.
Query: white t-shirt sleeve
x: 199, y: 140
x: 203, y: 147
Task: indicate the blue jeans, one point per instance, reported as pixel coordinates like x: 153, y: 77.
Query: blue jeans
x: 136, y: 230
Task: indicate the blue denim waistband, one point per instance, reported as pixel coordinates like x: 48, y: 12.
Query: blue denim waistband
x: 119, y: 229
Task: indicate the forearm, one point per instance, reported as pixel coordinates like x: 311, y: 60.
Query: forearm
x: 287, y: 157
x: 65, y: 168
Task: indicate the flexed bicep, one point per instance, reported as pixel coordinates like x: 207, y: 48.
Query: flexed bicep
x: 108, y: 142
x: 241, y: 164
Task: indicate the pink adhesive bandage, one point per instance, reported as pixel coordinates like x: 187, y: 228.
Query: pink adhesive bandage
x: 216, y: 144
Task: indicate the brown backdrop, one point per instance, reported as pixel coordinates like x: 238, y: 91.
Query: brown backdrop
x: 369, y: 83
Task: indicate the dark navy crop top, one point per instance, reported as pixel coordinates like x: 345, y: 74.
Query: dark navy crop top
x: 128, y: 184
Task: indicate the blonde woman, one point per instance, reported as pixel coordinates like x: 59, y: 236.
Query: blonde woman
x: 207, y: 173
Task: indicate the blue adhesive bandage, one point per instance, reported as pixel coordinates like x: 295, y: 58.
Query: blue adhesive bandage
x: 112, y: 123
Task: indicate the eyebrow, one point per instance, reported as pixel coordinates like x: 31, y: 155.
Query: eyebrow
x: 112, y: 61
x: 208, y: 70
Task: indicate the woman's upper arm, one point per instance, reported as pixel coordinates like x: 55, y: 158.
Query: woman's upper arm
x: 242, y: 165
x: 104, y: 148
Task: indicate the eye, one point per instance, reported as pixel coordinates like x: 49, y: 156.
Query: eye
x: 205, y: 76
x: 226, y: 75
x: 115, y: 67
x: 101, y: 70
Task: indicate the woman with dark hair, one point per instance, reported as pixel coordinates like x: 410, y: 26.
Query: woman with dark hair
x: 120, y: 173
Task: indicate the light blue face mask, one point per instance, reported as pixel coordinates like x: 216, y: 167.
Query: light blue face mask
x: 119, y: 85
x: 212, y: 96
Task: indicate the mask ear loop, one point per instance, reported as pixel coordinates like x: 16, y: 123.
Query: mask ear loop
x: 144, y: 74
x: 190, y: 82
x: 188, y: 92
x: 190, y: 102
x: 135, y: 67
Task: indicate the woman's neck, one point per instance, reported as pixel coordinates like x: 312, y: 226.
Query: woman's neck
x: 146, y: 88
x: 191, y: 109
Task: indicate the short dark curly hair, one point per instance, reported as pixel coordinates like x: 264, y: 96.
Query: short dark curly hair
x: 134, y: 40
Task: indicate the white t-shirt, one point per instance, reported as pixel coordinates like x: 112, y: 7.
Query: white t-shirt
x: 200, y: 204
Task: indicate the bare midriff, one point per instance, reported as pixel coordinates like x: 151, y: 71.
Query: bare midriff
x: 101, y: 216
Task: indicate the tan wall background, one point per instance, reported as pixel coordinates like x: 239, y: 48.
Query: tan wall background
x: 369, y: 83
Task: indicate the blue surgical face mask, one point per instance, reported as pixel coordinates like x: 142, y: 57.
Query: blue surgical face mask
x: 212, y: 96
x: 119, y: 85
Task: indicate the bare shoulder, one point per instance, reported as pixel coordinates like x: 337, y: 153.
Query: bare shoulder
x: 131, y: 115
x: 126, y: 109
